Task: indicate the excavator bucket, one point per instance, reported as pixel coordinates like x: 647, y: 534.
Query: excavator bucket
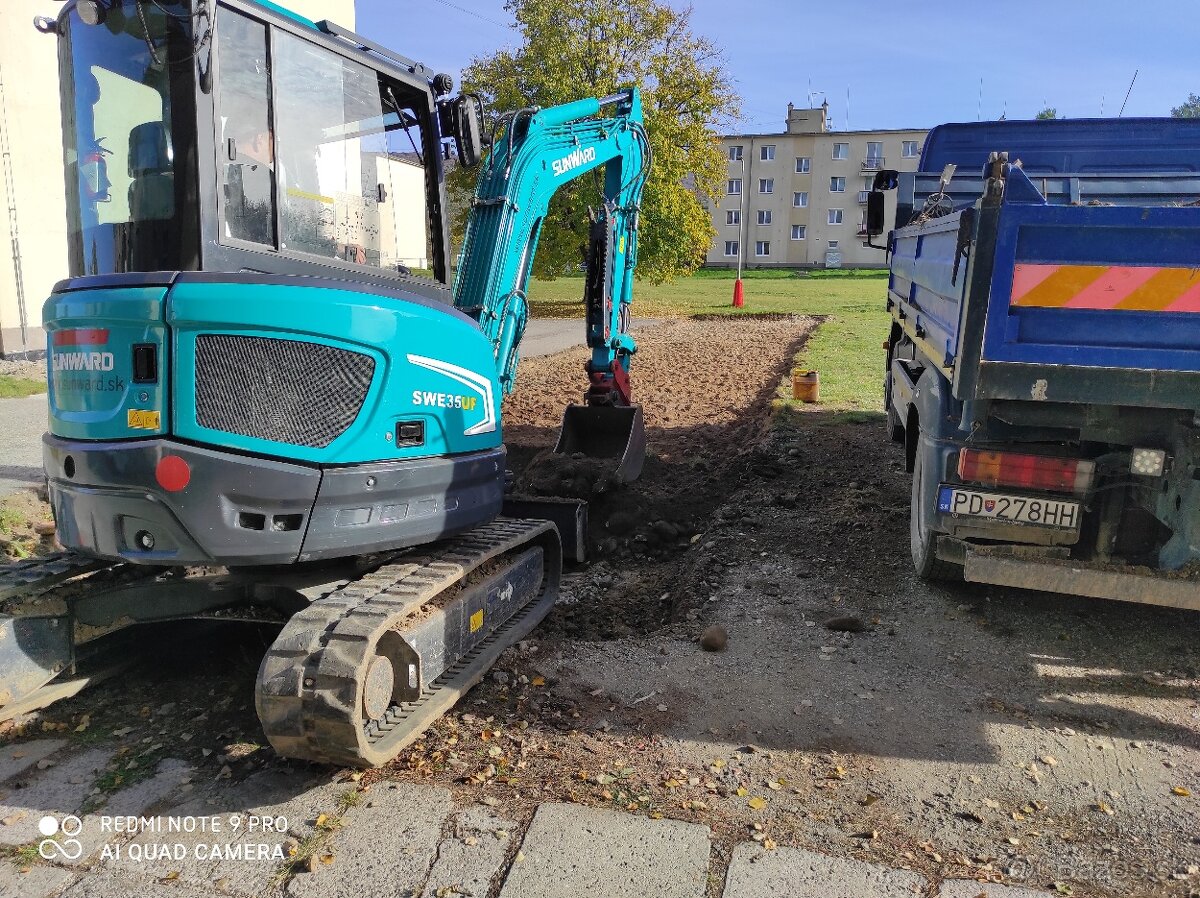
x: 606, y: 431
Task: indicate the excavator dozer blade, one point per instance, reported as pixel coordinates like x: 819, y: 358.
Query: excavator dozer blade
x: 606, y: 431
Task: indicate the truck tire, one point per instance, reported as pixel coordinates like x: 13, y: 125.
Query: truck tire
x: 922, y: 539
x: 895, y: 427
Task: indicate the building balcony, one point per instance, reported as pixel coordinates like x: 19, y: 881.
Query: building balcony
x: 873, y: 163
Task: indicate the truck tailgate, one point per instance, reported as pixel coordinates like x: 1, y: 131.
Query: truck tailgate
x: 1094, y: 304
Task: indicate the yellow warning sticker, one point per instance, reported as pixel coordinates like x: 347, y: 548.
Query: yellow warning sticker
x: 477, y: 620
x: 143, y: 419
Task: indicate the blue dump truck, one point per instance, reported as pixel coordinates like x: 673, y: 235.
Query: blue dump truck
x: 1043, y: 365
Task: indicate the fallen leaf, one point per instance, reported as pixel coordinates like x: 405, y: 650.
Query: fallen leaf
x: 757, y: 803
x: 1105, y: 808
x: 741, y: 791
x: 1049, y: 760
x: 774, y: 785
x: 538, y: 681
x: 1181, y: 792
x: 769, y: 844
x: 1063, y: 888
x: 171, y: 877
x: 84, y: 722
x: 327, y: 859
x: 321, y: 819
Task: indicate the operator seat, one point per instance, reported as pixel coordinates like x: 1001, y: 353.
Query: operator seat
x: 151, y: 166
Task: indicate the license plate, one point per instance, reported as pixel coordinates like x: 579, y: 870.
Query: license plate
x: 1017, y: 509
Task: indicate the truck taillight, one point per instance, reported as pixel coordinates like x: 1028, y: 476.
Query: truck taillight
x: 1036, y: 472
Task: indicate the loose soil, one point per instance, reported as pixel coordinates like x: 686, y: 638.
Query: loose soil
x: 955, y: 730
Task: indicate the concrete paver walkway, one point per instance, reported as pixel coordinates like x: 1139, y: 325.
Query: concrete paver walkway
x: 393, y: 840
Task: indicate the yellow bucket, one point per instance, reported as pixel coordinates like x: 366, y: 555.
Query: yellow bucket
x: 806, y: 386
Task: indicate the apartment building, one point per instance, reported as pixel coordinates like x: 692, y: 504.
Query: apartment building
x: 798, y: 199
x: 33, y: 229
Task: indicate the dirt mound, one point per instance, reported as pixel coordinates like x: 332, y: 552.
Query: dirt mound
x: 705, y: 388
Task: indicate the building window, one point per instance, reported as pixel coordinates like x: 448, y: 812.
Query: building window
x: 910, y: 150
x: 799, y: 232
x: 835, y: 216
x: 733, y: 186
x: 803, y: 165
x: 862, y: 223
x: 874, y: 158
x: 800, y: 199
x: 841, y: 151
x: 733, y: 217
x: 764, y: 216
x: 766, y: 185
x: 735, y: 153
x: 767, y: 152
x: 837, y: 185
x: 833, y: 244
x: 762, y: 248
x: 731, y: 247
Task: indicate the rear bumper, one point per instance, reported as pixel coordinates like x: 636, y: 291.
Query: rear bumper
x: 1006, y: 566
x: 242, y: 510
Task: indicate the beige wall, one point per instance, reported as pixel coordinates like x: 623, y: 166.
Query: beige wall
x: 805, y: 137
x: 32, y: 204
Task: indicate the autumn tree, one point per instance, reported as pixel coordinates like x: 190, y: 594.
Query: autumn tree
x: 1189, y: 109
x: 570, y: 49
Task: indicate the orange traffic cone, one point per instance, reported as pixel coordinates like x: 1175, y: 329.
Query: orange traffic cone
x: 738, y: 301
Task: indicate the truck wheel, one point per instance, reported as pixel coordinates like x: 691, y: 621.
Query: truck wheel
x: 922, y: 539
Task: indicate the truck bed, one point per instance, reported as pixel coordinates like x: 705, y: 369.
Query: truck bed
x: 1071, y: 303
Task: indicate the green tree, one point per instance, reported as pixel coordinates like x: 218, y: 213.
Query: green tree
x: 1048, y: 113
x: 1190, y: 109
x: 577, y: 48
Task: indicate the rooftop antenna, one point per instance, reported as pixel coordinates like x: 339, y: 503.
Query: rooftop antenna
x: 1102, y: 106
x: 847, y: 107
x: 1128, y: 92
x: 979, y: 106
x: 810, y: 105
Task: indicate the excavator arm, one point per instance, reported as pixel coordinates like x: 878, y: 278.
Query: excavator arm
x: 534, y: 152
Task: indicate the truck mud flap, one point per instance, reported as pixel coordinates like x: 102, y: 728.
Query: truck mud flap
x: 1003, y: 569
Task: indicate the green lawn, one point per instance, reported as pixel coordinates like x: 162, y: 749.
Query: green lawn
x: 847, y: 349
x: 16, y: 387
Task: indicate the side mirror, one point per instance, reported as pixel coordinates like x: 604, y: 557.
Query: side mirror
x: 875, y: 213
x: 466, y: 114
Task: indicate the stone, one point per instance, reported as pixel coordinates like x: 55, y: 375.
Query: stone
x: 473, y: 854
x: 755, y: 872
x: 38, y: 881
x: 384, y: 850
x: 51, y: 794
x: 846, y: 624
x: 968, y: 888
x: 714, y: 638
x: 575, y: 850
x: 112, y: 885
x: 16, y: 759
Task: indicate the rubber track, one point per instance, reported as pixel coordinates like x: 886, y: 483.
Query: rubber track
x: 308, y: 693
x: 36, y: 574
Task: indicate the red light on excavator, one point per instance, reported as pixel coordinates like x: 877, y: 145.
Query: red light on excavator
x: 172, y: 473
x: 1037, y: 472
x: 81, y: 336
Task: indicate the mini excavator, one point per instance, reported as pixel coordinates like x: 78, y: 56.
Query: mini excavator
x: 266, y: 401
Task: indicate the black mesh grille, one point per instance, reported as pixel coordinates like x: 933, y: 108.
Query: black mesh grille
x: 287, y: 391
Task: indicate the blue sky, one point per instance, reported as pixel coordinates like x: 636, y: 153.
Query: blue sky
x: 909, y: 64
